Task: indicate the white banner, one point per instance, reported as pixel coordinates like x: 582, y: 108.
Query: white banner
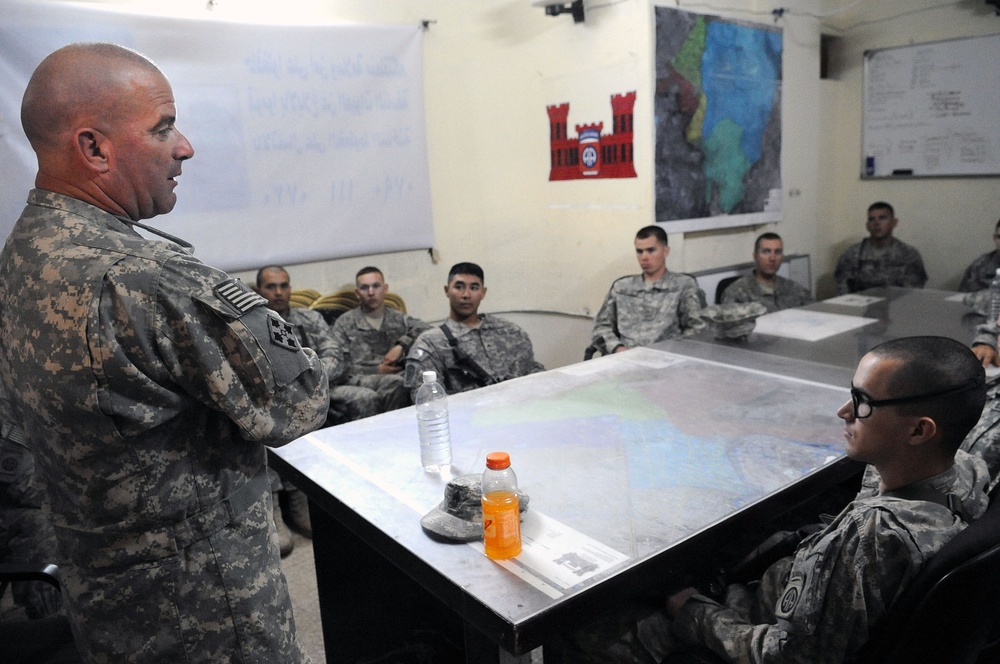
x: 309, y: 140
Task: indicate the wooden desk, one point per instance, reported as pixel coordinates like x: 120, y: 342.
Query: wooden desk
x: 658, y: 456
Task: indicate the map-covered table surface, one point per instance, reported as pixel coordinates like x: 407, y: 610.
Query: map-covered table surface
x: 623, y: 457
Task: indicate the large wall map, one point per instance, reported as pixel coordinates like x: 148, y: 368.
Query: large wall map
x: 718, y: 121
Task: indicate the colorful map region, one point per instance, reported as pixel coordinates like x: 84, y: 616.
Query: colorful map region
x: 718, y: 100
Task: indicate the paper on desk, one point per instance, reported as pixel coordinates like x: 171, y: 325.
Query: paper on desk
x: 854, y: 300
x: 808, y: 325
x: 554, y: 557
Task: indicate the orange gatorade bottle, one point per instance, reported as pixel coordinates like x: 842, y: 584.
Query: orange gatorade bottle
x: 501, y: 511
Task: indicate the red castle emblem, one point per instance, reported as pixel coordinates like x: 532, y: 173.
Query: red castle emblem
x: 592, y: 154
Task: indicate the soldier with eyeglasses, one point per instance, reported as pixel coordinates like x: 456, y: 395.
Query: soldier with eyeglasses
x: 913, y: 401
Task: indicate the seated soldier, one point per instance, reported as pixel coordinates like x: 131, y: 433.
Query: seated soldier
x: 373, y: 340
x: 653, y: 306
x: 880, y: 259
x: 470, y: 349
x: 913, y: 400
x: 982, y: 270
x: 763, y: 284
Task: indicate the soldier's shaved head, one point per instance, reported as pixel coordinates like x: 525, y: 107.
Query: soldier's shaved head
x: 79, y: 84
x: 101, y: 120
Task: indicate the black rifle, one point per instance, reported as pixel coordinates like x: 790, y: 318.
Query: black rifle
x: 466, y: 369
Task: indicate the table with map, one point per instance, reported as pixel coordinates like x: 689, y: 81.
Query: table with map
x: 633, y: 462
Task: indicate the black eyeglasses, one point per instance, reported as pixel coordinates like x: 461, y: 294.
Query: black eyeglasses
x: 863, y: 403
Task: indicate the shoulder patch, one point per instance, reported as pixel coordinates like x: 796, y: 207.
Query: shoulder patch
x: 282, y: 333
x: 11, y: 462
x: 238, y: 295
x: 790, y: 597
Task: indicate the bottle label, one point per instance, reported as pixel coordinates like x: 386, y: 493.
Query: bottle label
x: 501, y: 525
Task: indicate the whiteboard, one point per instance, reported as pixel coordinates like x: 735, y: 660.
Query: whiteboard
x: 932, y: 109
x: 309, y: 140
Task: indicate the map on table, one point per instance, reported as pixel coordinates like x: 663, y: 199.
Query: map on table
x: 622, y: 456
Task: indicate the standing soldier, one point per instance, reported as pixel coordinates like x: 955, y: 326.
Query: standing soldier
x: 147, y: 382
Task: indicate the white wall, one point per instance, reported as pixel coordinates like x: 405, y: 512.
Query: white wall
x: 491, y: 68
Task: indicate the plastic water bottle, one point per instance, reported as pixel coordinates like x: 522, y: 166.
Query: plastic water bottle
x: 432, y: 423
x: 501, y: 508
x: 995, y: 298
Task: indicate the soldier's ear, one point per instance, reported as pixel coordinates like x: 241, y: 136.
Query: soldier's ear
x: 92, y: 146
x: 923, y: 430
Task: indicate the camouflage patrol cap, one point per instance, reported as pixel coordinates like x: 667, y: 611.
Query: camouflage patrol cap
x: 734, y: 320
x: 978, y: 301
x: 459, y: 517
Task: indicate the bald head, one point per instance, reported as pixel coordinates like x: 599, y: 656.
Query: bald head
x: 100, y: 118
x: 78, y: 83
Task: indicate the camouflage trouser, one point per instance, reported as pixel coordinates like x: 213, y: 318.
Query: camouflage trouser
x: 369, y: 394
x: 643, y: 635
x: 220, y: 599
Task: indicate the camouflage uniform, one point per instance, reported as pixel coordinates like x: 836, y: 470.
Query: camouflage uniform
x: 814, y: 607
x: 841, y: 580
x: 148, y: 384
x: 26, y: 536
x: 786, y: 293
x: 984, y: 439
x: 314, y: 332
x: 500, y: 348
x: 361, y: 349
x: 637, y: 313
x: 861, y: 266
x: 734, y: 320
x: 980, y: 273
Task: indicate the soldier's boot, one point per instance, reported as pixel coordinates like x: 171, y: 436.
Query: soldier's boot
x: 298, y: 512
x: 285, y: 543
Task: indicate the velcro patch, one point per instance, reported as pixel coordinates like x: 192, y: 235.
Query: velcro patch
x: 790, y: 598
x: 11, y: 458
x: 282, y: 333
x: 238, y: 295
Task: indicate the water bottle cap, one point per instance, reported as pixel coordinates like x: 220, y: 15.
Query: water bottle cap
x: 497, y: 460
x: 430, y: 376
